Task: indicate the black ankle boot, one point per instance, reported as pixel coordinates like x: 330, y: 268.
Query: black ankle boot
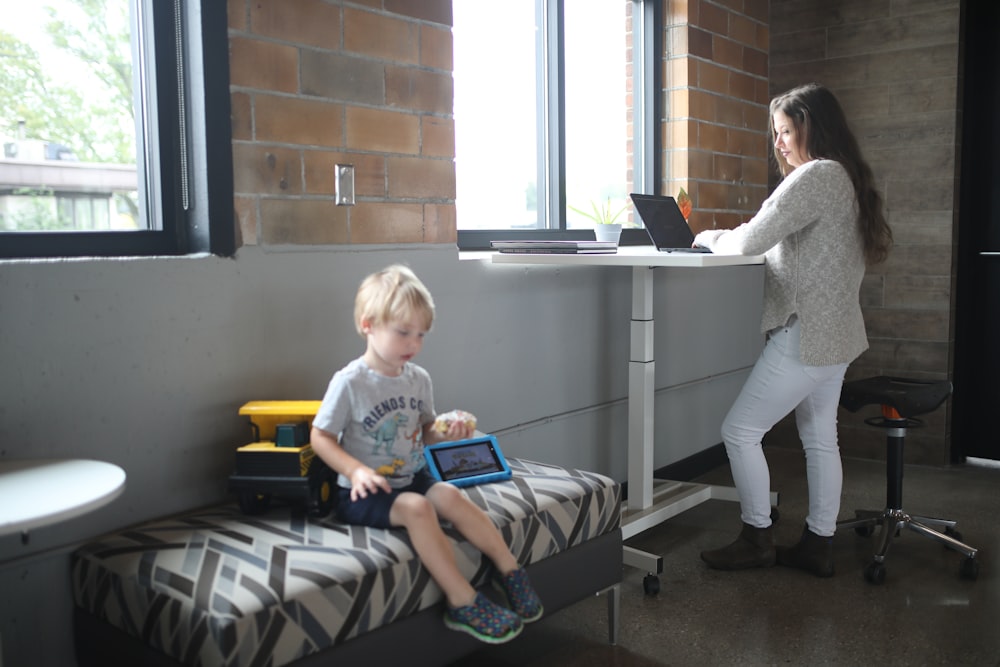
x: 813, y: 553
x: 753, y: 548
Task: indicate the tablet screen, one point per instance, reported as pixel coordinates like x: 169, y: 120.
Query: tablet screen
x: 465, y: 462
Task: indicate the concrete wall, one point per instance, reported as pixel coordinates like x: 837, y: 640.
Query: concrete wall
x: 145, y: 363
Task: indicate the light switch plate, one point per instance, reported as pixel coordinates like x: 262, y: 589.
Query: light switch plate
x: 344, y: 179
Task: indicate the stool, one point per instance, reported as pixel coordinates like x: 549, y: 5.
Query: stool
x: 902, y: 401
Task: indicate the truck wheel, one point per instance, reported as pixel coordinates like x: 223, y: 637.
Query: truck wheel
x: 252, y: 502
x: 321, y: 490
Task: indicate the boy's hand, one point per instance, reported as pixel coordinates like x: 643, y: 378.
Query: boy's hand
x: 459, y: 430
x: 364, y: 480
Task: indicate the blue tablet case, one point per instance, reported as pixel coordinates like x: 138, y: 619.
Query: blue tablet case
x: 467, y: 462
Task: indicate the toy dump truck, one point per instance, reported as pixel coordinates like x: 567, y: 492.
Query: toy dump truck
x: 281, y: 462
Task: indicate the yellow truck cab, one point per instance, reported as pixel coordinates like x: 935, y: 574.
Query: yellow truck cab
x: 281, y: 462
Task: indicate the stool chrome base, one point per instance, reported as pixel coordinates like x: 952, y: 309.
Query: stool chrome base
x: 892, y: 521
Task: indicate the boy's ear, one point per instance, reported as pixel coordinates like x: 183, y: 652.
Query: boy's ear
x: 366, y: 326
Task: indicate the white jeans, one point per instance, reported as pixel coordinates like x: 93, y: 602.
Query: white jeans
x: 778, y: 384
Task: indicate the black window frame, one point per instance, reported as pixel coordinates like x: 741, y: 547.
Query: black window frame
x: 191, y: 83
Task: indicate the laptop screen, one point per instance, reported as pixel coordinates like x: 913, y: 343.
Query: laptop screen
x: 663, y: 221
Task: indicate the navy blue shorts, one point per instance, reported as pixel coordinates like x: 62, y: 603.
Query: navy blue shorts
x: 374, y: 510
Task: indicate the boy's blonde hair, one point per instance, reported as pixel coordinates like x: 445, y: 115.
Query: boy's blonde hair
x: 393, y: 294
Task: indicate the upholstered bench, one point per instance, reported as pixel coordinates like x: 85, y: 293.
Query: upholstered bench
x: 217, y: 587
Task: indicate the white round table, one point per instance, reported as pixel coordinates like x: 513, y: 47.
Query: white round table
x: 41, y: 492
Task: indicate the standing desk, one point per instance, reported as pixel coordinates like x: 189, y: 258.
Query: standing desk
x: 650, y: 501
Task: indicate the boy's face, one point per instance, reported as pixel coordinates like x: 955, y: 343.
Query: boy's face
x: 392, y: 344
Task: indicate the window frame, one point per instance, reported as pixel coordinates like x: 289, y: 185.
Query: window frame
x: 647, y: 44
x: 206, y: 224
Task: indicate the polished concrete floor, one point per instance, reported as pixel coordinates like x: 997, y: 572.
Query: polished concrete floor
x: 923, y: 614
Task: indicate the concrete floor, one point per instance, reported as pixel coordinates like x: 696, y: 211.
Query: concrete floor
x: 923, y: 614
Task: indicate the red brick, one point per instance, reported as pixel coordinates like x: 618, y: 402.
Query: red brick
x: 437, y: 136
x: 241, y: 116
x: 435, y: 11
x: 440, y: 223
x: 293, y: 120
x: 263, y: 65
x: 303, y: 222
x: 381, y: 36
x: 437, y: 48
x: 419, y: 89
x: 383, y: 131
x: 421, y: 178
x: 310, y: 22
x: 246, y: 219
x: 259, y: 169
x: 387, y: 222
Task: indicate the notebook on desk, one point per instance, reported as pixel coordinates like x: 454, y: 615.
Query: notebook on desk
x: 557, y: 247
x: 665, y: 224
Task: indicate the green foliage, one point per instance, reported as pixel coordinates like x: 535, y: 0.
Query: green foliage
x: 601, y: 215
x: 93, y: 114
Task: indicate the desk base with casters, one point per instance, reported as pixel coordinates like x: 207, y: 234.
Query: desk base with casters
x: 650, y: 501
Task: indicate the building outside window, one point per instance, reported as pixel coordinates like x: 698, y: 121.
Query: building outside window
x: 100, y: 140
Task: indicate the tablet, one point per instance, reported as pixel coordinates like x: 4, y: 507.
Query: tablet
x: 467, y: 462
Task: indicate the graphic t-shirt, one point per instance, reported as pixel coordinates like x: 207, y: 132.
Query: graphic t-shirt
x: 379, y: 419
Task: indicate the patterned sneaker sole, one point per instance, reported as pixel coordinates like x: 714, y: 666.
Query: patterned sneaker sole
x: 488, y: 639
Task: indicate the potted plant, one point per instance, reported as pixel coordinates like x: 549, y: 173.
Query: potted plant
x: 606, y: 225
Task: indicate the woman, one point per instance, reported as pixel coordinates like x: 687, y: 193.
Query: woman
x: 818, y: 230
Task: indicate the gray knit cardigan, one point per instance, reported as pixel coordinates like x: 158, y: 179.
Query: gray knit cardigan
x: 808, y: 232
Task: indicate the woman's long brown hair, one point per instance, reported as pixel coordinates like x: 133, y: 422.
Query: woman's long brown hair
x: 818, y: 119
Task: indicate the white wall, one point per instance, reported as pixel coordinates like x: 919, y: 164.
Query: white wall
x: 145, y: 363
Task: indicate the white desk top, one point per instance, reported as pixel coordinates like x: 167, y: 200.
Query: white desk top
x: 40, y: 492
x: 640, y: 255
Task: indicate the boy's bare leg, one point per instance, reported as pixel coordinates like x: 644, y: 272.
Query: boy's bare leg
x: 415, y: 513
x: 473, y: 524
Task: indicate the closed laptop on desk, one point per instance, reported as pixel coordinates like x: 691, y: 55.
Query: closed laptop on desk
x: 560, y: 247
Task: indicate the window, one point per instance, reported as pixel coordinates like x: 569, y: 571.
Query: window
x: 114, y: 120
x: 554, y: 114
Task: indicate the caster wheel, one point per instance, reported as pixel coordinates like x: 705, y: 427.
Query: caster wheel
x: 970, y: 569
x: 953, y: 534
x: 875, y: 573
x: 651, y: 584
x: 864, y: 531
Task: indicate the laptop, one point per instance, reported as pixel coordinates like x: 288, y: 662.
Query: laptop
x: 467, y: 462
x: 556, y: 247
x: 665, y: 224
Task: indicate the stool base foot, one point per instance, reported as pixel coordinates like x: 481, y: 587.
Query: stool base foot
x: 893, y: 521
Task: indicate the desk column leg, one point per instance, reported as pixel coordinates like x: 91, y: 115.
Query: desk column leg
x: 641, y: 387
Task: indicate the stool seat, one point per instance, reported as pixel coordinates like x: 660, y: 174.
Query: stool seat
x: 909, y: 397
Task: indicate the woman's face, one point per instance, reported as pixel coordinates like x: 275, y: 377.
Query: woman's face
x: 788, y: 142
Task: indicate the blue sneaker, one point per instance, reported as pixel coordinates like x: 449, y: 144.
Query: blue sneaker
x: 485, y: 620
x: 521, y: 597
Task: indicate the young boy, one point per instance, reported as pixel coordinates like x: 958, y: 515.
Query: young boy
x: 376, y: 417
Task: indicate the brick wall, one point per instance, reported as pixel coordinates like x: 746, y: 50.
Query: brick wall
x: 716, y: 96
x: 894, y: 66
x: 319, y: 83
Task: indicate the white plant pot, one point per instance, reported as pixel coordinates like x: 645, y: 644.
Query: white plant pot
x: 608, y: 232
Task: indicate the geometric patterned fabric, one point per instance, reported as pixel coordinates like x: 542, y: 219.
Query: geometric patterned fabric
x: 217, y: 587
